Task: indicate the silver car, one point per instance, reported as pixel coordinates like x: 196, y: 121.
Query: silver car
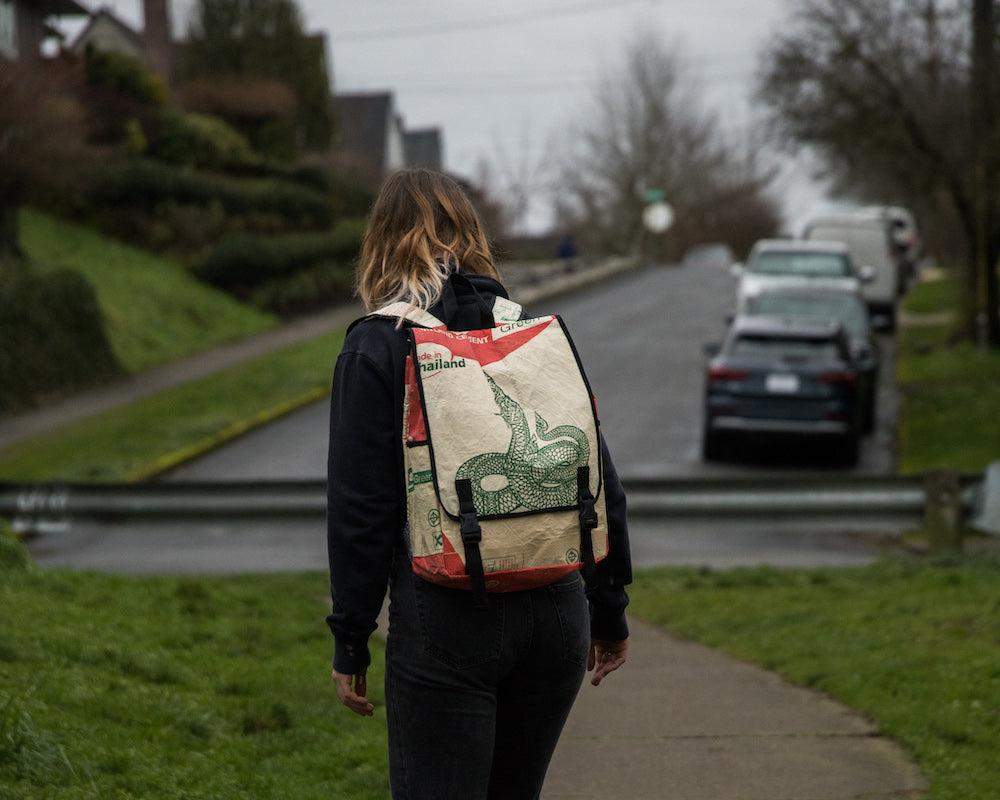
x: 785, y: 264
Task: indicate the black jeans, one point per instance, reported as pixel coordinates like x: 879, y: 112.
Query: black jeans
x: 477, y: 697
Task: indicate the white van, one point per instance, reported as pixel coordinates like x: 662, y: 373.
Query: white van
x: 869, y: 239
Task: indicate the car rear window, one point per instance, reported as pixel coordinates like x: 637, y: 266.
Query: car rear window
x: 868, y: 244
x: 849, y: 311
x: 810, y: 265
x: 785, y: 348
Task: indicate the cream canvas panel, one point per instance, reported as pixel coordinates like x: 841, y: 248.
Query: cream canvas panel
x: 504, y: 310
x: 517, y: 427
x: 415, y: 315
x: 536, y: 540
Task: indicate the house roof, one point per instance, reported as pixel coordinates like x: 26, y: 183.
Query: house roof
x: 106, y: 14
x: 362, y: 125
x: 422, y: 148
x: 60, y: 8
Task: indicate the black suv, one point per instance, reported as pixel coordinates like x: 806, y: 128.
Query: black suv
x: 781, y: 377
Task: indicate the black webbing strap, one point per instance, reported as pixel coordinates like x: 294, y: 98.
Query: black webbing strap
x: 588, y: 521
x: 472, y: 535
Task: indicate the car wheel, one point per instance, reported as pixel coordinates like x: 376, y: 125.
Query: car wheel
x: 713, y: 447
x: 868, y: 414
x: 847, y: 450
x: 890, y: 320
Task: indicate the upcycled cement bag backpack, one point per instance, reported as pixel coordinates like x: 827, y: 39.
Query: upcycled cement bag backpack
x: 501, y: 452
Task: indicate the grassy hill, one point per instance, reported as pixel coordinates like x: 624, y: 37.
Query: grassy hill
x: 154, y: 310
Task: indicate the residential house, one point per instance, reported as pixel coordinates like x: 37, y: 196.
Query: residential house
x: 422, y: 148
x: 154, y: 44
x: 26, y: 24
x: 106, y: 31
x: 372, y: 140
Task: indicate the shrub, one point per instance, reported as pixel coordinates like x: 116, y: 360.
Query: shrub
x: 124, y: 74
x: 307, y: 290
x: 243, y: 262
x: 201, y: 140
x: 13, y: 554
x: 145, y: 184
x: 52, y: 336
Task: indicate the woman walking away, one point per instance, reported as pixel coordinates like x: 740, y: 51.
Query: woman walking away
x: 467, y: 472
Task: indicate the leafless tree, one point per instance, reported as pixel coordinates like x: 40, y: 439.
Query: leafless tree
x: 898, y: 98
x: 646, y: 128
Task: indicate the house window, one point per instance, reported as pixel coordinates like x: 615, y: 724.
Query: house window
x: 8, y: 29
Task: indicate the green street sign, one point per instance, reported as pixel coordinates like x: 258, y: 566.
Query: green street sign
x: 654, y: 196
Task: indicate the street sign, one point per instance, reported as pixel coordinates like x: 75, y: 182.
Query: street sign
x: 658, y: 217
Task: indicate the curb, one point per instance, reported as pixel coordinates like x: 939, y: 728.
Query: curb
x: 170, y: 461
x: 177, y: 458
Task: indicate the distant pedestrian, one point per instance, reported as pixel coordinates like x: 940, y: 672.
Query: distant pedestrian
x: 567, y: 252
x: 467, y: 473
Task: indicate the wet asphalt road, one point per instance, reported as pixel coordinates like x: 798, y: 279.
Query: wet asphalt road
x: 641, y: 338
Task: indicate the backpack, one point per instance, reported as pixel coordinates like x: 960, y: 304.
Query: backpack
x: 501, y: 451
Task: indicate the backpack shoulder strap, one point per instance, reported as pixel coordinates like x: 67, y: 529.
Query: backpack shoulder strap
x: 505, y: 310
x: 416, y: 316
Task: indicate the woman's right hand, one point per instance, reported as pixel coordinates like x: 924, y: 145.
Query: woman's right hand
x: 352, y: 690
x: 607, y: 656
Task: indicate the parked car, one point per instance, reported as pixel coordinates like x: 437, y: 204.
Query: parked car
x: 845, y: 308
x: 715, y: 255
x: 785, y: 264
x: 869, y: 240
x: 776, y: 377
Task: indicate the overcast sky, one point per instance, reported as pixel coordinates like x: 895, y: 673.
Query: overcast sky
x: 495, y: 76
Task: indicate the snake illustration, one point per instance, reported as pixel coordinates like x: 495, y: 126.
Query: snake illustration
x: 538, y: 477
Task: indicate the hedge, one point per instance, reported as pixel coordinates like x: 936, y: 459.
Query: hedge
x: 243, y: 262
x: 144, y: 184
x: 124, y: 74
x: 306, y: 290
x: 201, y: 140
x: 52, y: 337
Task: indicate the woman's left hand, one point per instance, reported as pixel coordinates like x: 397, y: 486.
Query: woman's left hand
x: 352, y: 690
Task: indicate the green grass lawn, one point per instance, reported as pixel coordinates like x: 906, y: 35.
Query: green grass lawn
x: 154, y: 310
x: 119, y: 687
x: 930, y: 297
x: 916, y: 646
x: 950, y: 393
x: 213, y: 688
x: 124, y: 443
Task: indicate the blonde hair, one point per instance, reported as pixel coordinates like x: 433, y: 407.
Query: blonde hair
x: 422, y: 228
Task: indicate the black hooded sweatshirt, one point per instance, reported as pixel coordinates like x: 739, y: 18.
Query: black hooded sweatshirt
x: 366, y: 493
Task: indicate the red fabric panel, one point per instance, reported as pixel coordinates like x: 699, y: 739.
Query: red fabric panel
x: 480, y: 345
x: 416, y: 428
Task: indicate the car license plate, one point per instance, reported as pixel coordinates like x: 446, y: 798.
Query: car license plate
x: 782, y: 384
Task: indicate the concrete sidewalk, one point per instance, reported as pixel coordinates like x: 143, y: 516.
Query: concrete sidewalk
x: 549, y: 283
x: 684, y: 722
x: 159, y: 379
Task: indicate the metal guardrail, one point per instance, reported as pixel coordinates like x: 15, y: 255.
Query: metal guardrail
x: 944, y: 498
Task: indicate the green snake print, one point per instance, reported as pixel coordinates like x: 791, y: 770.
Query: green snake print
x: 537, y: 477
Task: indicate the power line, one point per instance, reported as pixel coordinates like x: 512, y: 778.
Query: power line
x: 503, y: 20
x: 539, y: 87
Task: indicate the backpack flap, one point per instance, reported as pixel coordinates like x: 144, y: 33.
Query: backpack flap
x: 500, y: 423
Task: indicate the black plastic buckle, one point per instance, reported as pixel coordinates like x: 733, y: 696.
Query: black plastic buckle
x: 469, y: 526
x: 588, y: 513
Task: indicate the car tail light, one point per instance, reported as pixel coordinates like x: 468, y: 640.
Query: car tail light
x: 727, y: 374
x: 848, y: 378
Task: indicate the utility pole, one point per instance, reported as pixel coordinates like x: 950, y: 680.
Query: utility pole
x: 984, y: 282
